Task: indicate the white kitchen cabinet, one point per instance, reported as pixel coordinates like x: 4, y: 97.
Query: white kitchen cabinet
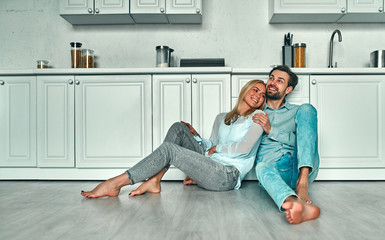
x: 184, y: 11
x: 195, y: 99
x: 18, y: 121
x: 299, y: 95
x: 166, y: 11
x: 55, y: 121
x: 148, y: 11
x: 96, y: 11
x: 113, y: 120
x: 351, y: 120
x: 94, y: 121
x: 306, y: 11
x: 361, y: 11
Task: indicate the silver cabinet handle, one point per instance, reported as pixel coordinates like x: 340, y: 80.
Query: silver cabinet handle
x: 97, y: 10
x: 70, y: 82
x: 77, y: 82
x: 343, y: 10
x: 187, y: 80
x: 314, y: 82
x: 381, y: 9
x: 198, y: 10
x: 195, y: 80
x: 90, y: 10
x: 162, y: 10
x: 2, y: 82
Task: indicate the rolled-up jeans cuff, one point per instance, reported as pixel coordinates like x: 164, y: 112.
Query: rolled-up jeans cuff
x: 283, y: 201
x: 130, y: 178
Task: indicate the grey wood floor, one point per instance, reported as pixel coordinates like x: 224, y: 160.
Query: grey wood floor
x: 56, y: 210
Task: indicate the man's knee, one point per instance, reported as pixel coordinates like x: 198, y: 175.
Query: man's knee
x: 307, y: 108
x: 306, y: 112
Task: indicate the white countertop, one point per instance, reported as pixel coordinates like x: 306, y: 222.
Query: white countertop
x: 185, y: 70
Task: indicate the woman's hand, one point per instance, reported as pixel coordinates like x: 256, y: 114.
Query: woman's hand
x: 192, y: 130
x: 212, y: 150
x: 189, y: 181
x: 263, y: 120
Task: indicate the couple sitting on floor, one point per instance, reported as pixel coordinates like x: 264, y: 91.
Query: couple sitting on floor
x: 282, y: 139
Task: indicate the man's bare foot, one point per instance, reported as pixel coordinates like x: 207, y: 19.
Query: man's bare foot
x: 302, y: 193
x: 189, y: 181
x: 152, y: 185
x: 298, y: 211
x: 110, y: 188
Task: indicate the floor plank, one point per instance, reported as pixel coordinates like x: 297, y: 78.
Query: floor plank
x: 56, y: 210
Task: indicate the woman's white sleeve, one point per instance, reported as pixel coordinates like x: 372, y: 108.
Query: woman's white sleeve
x: 244, y: 147
x: 208, y: 143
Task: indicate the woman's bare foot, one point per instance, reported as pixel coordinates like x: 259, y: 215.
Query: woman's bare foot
x: 302, y: 193
x: 298, y: 211
x: 110, y: 188
x: 152, y: 185
x: 189, y: 181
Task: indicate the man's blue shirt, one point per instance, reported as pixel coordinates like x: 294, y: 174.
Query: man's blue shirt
x: 281, y: 139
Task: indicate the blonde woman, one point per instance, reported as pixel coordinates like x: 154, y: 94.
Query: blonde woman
x: 218, y: 164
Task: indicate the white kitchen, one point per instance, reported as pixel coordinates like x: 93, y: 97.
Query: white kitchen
x: 66, y: 125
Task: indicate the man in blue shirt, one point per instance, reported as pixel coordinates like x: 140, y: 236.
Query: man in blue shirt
x: 287, y: 159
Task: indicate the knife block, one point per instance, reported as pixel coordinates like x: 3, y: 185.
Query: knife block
x: 288, y: 56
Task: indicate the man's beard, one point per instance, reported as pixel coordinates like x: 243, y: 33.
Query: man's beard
x: 275, y: 96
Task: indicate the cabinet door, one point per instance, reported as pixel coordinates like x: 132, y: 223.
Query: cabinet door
x: 365, y: 6
x: 112, y: 6
x: 210, y: 96
x: 18, y: 121
x: 171, y: 103
x: 113, y: 120
x: 76, y: 6
x: 306, y: 11
x: 184, y: 11
x: 351, y: 113
x: 55, y: 121
x: 148, y: 11
x: 362, y: 11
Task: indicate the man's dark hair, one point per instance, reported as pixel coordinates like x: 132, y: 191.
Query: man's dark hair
x: 293, y: 77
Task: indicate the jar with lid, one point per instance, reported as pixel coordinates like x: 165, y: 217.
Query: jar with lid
x: 76, y: 54
x: 88, y: 58
x: 42, y: 64
x: 299, y: 55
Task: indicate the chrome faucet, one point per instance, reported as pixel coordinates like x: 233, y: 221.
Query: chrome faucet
x: 331, y: 47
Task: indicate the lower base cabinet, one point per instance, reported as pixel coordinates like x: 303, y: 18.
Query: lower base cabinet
x: 351, y: 120
x: 17, y: 121
x: 94, y: 121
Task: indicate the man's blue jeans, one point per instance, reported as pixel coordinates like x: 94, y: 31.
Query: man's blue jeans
x: 279, y: 178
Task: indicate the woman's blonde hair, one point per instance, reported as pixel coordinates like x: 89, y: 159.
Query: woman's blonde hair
x: 233, y: 115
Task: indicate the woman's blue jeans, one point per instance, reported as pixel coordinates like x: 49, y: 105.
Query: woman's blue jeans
x: 279, y: 178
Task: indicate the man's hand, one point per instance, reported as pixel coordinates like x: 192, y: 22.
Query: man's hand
x: 212, y: 150
x: 263, y: 120
x: 192, y: 130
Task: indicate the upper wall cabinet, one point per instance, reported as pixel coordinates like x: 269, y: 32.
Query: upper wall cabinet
x: 306, y: 11
x: 148, y: 11
x: 362, y: 11
x: 166, y: 11
x: 96, y: 11
x: 326, y: 11
x: 184, y: 11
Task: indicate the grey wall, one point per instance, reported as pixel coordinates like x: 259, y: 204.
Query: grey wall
x: 235, y: 30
